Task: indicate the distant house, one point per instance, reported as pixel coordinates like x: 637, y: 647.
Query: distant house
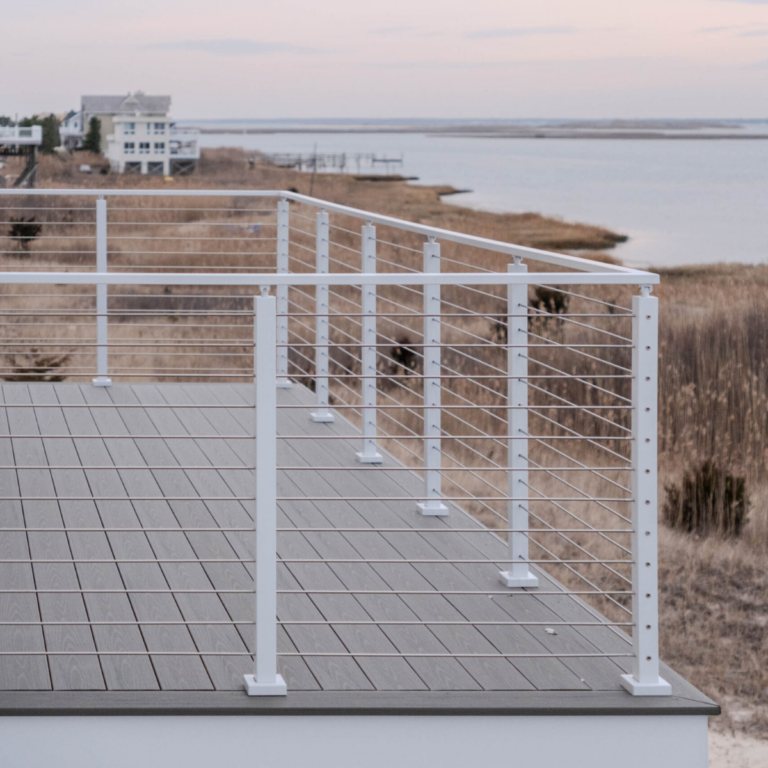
x: 138, y: 135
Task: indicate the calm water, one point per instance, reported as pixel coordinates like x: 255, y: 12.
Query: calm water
x: 680, y: 201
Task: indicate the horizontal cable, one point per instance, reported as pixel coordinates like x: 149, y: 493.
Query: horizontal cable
x: 391, y: 561
x: 131, y: 498
x: 419, y: 530
x: 463, y: 407
x: 126, y: 653
x: 464, y: 623
x: 451, y: 437
x: 118, y: 623
x: 350, y: 654
x: 102, y: 561
x: 100, y: 529
x: 537, y: 593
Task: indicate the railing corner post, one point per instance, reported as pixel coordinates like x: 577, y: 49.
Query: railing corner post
x: 519, y: 573
x: 645, y: 679
x: 432, y: 505
x: 102, y: 329
x: 281, y: 291
x: 266, y: 681
x: 322, y: 333
x: 369, y: 454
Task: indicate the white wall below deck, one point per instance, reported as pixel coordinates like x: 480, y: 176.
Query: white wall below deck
x: 353, y: 742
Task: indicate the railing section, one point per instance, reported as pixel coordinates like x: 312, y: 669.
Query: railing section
x: 469, y: 453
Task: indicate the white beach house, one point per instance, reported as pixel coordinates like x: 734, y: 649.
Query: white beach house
x: 149, y: 144
x: 137, y: 134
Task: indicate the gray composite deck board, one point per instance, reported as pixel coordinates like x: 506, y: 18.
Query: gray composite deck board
x: 237, y: 482
x: 67, y: 672
x: 17, y: 672
x: 120, y: 672
x: 437, y: 673
x: 173, y: 672
x: 542, y: 673
x: 548, y: 673
x: 218, y: 493
x: 441, y: 673
x: 332, y: 673
x: 225, y: 672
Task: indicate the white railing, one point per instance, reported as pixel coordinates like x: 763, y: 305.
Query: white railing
x: 525, y: 397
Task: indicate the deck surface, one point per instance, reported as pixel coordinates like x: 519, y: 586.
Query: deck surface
x: 171, y: 498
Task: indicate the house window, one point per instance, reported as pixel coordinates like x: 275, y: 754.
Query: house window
x: 129, y: 148
x: 159, y: 147
x: 159, y: 127
x: 144, y: 148
x: 129, y: 128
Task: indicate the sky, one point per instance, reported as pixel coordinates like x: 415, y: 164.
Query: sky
x: 402, y: 58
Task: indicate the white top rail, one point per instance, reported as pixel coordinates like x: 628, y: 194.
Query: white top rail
x: 558, y: 259
x: 339, y: 278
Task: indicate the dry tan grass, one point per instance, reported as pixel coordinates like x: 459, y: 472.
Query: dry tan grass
x: 713, y: 390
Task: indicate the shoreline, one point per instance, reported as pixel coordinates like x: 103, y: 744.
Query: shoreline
x: 494, y: 133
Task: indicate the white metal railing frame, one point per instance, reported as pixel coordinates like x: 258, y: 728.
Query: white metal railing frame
x: 271, y: 367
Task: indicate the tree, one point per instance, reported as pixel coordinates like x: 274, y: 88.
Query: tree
x: 50, y: 127
x: 51, y: 138
x: 92, y: 141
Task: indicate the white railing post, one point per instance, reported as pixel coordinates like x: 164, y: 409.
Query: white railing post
x: 369, y: 454
x: 322, y: 309
x: 266, y: 681
x: 432, y: 504
x: 645, y: 679
x: 102, y: 350
x: 283, y: 238
x: 519, y: 574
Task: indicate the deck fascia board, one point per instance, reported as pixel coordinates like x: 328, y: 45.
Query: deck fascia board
x: 359, y: 703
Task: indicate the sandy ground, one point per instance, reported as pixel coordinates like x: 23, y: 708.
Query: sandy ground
x: 739, y: 751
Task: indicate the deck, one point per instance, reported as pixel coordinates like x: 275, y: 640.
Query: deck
x: 178, y: 667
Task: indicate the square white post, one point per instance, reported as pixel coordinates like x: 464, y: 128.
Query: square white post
x: 283, y: 236
x: 266, y: 681
x: 369, y: 454
x: 645, y: 680
x: 102, y: 379
x: 433, y: 459
x: 322, y: 309
x: 519, y: 574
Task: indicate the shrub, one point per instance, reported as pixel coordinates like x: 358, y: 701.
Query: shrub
x: 709, y: 500
x: 24, y: 231
x: 548, y: 300
x: 36, y: 366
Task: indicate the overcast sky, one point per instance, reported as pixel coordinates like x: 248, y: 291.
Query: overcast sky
x: 400, y: 58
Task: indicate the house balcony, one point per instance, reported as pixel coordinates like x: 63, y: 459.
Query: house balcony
x: 21, y: 136
x: 287, y: 479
